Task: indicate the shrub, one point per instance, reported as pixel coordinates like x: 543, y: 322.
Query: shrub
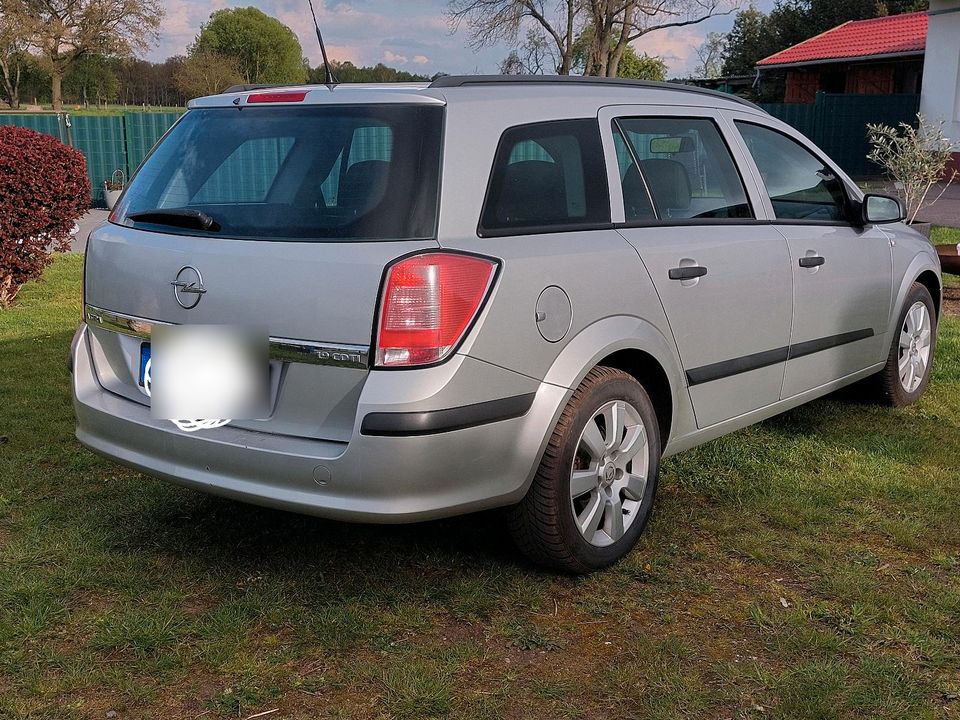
x: 914, y: 158
x: 43, y: 190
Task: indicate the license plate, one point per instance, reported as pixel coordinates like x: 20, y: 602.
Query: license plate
x: 144, y: 359
x: 207, y: 371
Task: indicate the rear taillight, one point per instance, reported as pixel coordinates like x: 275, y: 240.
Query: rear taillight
x: 428, y: 304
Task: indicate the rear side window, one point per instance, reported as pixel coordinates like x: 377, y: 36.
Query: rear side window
x: 800, y: 185
x: 686, y: 169
x: 547, y: 177
x: 297, y: 173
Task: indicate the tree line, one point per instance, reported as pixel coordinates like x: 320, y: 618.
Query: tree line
x: 84, y: 52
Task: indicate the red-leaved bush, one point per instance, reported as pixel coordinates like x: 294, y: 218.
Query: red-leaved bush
x: 43, y: 190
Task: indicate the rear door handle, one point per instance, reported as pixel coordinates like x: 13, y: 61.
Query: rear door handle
x: 812, y: 261
x: 688, y: 272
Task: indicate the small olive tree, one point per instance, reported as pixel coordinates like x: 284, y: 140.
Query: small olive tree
x: 915, y: 158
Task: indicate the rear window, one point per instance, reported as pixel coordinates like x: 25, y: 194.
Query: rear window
x: 366, y: 172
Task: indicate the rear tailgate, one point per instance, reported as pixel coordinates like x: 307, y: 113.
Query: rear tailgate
x: 304, y: 293
x: 287, y: 216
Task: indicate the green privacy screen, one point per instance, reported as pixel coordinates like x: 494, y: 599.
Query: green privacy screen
x: 142, y: 130
x: 109, y: 142
x: 100, y: 139
x: 48, y: 124
x: 838, y: 124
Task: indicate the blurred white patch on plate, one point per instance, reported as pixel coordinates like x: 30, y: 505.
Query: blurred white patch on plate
x: 209, y: 371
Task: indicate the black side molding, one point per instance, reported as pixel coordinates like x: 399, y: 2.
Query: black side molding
x: 726, y: 368
x: 735, y: 366
x: 431, y: 422
x: 814, y: 346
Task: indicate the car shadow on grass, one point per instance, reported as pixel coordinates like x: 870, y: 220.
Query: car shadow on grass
x: 219, y: 532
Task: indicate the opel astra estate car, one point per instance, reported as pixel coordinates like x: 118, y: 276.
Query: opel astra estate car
x: 493, y: 292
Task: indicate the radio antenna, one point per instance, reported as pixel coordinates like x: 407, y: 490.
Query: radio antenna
x: 330, y: 79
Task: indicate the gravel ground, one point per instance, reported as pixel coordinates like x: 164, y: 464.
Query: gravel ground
x: 951, y: 300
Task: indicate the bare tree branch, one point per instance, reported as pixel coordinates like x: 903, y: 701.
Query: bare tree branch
x: 609, y: 26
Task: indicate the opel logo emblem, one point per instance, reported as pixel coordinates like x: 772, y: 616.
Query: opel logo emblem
x: 188, y: 287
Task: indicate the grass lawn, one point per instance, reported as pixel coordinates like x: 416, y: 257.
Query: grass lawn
x: 808, y: 567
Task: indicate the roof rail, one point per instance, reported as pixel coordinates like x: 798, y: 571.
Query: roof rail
x: 450, y: 81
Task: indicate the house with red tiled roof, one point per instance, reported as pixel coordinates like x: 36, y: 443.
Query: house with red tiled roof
x: 879, y: 56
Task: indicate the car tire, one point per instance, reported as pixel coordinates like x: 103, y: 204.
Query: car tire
x: 911, y: 350
x: 588, y: 471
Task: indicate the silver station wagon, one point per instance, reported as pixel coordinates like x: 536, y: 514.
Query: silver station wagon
x: 487, y: 292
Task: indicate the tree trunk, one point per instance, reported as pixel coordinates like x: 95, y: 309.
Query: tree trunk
x: 11, y: 84
x: 613, y: 63
x: 567, y: 52
x: 8, y: 291
x: 602, y: 18
x: 56, y: 88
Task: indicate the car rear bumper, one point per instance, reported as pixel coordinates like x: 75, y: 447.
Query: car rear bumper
x: 377, y: 476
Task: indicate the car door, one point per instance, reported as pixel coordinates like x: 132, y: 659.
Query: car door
x: 722, y: 273
x: 842, y: 272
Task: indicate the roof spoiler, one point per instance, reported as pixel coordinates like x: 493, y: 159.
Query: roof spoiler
x: 250, y: 88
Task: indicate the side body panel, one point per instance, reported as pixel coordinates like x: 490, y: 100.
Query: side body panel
x: 847, y: 297
x: 733, y: 316
x: 597, y: 269
x: 839, y: 307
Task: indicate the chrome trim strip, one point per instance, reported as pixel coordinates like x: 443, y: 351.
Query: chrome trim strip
x: 281, y: 349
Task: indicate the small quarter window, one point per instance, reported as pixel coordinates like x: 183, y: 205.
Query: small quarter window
x: 800, y: 185
x: 547, y: 176
x: 688, y: 169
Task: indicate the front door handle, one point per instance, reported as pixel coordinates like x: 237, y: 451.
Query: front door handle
x: 687, y: 272
x: 812, y: 261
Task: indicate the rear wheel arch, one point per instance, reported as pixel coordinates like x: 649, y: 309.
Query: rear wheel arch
x: 638, y: 348
x: 647, y: 371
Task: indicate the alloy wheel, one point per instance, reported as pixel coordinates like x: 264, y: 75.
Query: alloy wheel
x: 915, y: 338
x: 609, y: 473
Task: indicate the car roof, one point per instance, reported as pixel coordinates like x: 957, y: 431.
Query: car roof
x: 451, y: 89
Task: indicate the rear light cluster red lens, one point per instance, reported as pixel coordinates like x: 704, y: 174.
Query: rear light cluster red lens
x: 428, y: 304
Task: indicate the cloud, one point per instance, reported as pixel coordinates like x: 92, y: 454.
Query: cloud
x: 677, y: 47
x: 344, y: 53
x: 421, y: 59
x: 392, y: 58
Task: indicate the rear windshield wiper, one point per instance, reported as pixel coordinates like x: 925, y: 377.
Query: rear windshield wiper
x: 177, y: 217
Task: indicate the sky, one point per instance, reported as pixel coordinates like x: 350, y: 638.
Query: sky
x: 412, y: 35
